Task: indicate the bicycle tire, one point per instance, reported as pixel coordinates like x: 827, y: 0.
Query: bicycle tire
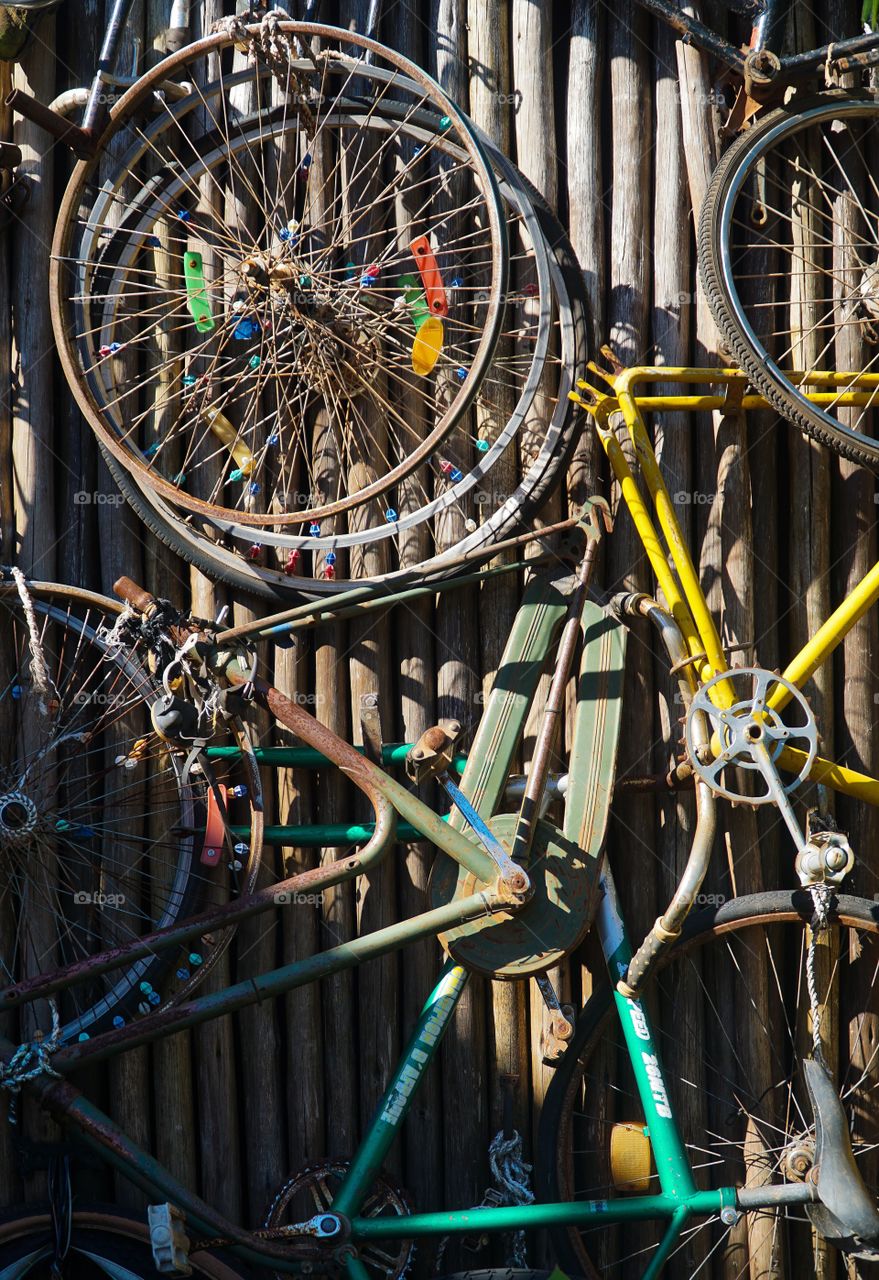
x: 106, y: 844
x: 737, y: 317
x: 217, y: 559
x: 96, y: 1233
x: 594, y: 1033
x: 105, y: 405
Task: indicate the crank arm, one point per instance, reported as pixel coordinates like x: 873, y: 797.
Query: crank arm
x: 846, y: 1214
x: 508, y: 870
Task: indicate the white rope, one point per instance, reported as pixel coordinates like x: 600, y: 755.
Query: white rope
x: 38, y: 668
x: 510, y: 1173
x: 30, y: 1061
x: 116, y: 637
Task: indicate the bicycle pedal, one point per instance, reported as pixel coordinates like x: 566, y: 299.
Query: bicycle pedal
x: 168, y: 1240
x: 491, y: 1200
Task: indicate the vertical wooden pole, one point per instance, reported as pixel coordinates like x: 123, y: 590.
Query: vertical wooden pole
x: 413, y: 625
x: 465, y: 1119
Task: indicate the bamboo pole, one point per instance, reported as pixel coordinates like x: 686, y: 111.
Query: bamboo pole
x: 416, y: 695
x: 458, y: 697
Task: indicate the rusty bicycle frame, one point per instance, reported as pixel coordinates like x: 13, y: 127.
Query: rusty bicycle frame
x: 554, y: 598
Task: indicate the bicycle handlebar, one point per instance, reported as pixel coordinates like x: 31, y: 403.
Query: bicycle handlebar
x: 140, y: 599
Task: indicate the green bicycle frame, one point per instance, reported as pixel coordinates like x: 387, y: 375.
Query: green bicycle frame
x: 678, y: 1200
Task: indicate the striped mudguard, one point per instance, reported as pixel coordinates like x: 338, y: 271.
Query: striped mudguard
x: 566, y: 863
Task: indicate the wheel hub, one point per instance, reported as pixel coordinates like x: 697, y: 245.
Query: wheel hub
x: 18, y: 817
x: 798, y: 1158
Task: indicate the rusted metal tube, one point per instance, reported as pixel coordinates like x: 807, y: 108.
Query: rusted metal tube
x: 66, y: 1103
x: 276, y: 982
x: 60, y: 127
x: 220, y: 917
x: 387, y: 796
x: 387, y: 591
x: 535, y: 783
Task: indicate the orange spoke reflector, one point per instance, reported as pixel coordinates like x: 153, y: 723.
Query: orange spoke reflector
x: 214, y: 833
x: 430, y: 276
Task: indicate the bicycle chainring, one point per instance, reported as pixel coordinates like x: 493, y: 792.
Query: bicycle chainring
x: 312, y: 1191
x: 737, y: 705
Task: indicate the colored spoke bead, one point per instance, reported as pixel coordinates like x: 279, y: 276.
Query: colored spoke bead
x: 152, y: 449
x: 16, y: 691
x: 253, y: 488
x: 239, y: 791
x: 455, y: 475
x: 254, y: 550
x: 314, y: 529
x: 118, y: 1021
x: 273, y: 438
x: 255, y: 362
x: 292, y: 562
x: 446, y: 467
x: 331, y: 557
x: 483, y: 446
x: 184, y: 215
x: 329, y: 572
x: 245, y: 329
x: 391, y: 515
x: 461, y: 373
x: 195, y: 958
x: 182, y: 974
x: 154, y: 998
x: 189, y: 379
x: 154, y: 242
x: 445, y: 122
x: 82, y: 1037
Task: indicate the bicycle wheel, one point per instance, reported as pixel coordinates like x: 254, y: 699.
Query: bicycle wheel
x: 732, y: 1013
x: 102, y: 835
x: 523, y: 400
x: 100, y: 1243
x: 789, y: 257
x: 287, y: 292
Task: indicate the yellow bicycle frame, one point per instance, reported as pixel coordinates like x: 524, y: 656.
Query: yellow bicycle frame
x: 666, y: 546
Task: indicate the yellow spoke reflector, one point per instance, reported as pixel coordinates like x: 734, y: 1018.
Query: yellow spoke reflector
x: 427, y: 346
x: 228, y: 435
